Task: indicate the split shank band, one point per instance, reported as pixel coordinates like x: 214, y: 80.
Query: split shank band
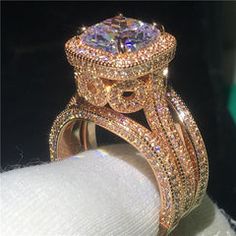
x: 111, y: 84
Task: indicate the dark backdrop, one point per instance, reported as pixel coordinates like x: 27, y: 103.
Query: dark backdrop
x: 37, y: 81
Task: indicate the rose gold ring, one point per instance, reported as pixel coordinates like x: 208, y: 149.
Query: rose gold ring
x: 121, y: 67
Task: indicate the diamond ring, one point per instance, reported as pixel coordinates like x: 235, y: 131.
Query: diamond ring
x: 121, y: 67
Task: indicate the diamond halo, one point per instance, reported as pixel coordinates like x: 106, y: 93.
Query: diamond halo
x: 121, y: 48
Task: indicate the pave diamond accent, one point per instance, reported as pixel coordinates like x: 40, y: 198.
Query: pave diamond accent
x: 120, y: 34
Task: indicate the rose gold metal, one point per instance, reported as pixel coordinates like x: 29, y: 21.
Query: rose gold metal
x: 172, y: 144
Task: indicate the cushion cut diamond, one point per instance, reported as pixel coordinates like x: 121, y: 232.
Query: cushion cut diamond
x: 120, y: 34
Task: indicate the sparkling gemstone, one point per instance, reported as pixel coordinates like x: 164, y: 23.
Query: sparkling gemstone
x: 120, y: 34
x: 157, y: 149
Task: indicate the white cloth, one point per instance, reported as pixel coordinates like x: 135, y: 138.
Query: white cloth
x: 108, y: 191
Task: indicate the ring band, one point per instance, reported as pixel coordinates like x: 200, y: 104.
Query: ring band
x: 125, y: 77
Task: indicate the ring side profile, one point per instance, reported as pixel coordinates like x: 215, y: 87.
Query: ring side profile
x: 120, y: 67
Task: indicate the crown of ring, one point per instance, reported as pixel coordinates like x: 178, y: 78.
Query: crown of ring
x: 121, y: 48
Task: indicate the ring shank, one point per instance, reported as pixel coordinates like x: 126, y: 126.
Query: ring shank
x: 76, y: 136
x: 74, y: 131
x: 79, y: 135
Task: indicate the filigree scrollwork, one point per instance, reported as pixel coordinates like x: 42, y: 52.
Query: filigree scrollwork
x: 128, y: 96
x: 91, y: 88
x: 123, y: 96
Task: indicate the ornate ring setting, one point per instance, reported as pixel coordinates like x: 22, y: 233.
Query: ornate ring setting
x: 121, y: 66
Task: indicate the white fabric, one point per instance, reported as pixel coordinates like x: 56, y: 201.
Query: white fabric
x: 108, y: 191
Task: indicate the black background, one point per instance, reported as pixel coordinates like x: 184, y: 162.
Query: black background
x: 37, y: 81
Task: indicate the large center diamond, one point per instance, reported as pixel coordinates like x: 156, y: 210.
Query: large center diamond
x: 120, y: 34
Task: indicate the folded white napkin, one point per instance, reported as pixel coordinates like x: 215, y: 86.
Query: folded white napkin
x: 108, y: 191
